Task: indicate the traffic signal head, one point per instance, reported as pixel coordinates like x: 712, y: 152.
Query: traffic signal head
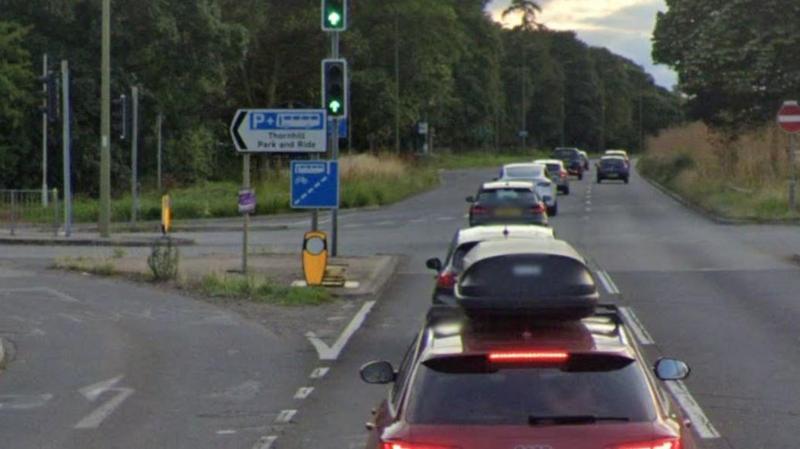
x: 120, y: 115
x: 50, y: 103
x: 334, y: 15
x: 334, y: 87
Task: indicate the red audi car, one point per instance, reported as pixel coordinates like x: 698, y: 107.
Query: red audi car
x: 556, y: 385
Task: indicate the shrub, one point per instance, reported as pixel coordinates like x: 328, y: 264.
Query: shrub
x: 163, y: 260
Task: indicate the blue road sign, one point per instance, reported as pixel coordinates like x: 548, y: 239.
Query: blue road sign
x: 315, y: 184
x: 342, y: 128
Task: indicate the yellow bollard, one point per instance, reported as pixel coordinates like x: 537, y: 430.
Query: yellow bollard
x: 315, y: 257
x: 166, y: 214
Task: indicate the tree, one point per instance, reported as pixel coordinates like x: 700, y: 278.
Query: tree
x: 16, y: 105
x: 528, y: 9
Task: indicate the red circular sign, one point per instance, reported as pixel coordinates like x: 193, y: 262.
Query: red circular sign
x: 789, y: 117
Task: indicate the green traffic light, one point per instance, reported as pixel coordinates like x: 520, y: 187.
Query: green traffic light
x: 335, y: 106
x: 334, y: 18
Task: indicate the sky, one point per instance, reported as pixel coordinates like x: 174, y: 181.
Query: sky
x: 623, y: 26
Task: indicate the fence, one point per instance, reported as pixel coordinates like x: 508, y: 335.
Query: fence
x: 25, y: 209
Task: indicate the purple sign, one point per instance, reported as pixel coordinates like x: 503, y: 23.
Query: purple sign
x: 247, y: 201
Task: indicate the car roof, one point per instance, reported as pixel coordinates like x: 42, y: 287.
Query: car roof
x: 616, y: 152
x: 552, y: 247
x: 601, y: 332
x: 549, y: 161
x: 566, y: 148
x: 496, y: 185
x: 502, y: 232
x: 522, y: 164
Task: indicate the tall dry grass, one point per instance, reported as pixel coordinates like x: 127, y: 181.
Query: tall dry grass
x: 369, y: 166
x: 739, y: 177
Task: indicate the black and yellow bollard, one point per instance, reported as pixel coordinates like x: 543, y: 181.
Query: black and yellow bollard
x: 315, y: 257
x: 166, y: 214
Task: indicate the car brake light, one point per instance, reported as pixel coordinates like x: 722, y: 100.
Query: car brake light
x: 528, y: 356
x: 446, y: 279
x: 478, y: 210
x: 538, y: 208
x: 404, y: 445
x: 662, y: 443
x: 563, y: 174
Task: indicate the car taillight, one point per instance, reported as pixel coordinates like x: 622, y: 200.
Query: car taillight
x: 662, y: 443
x: 478, y: 210
x: 528, y: 356
x: 446, y: 279
x: 563, y: 174
x: 405, y: 445
x: 538, y: 208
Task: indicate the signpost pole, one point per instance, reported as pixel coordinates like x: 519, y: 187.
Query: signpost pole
x: 135, y: 153
x: 335, y: 157
x: 793, y: 172
x: 245, y: 234
x: 44, y: 134
x: 67, y: 145
x: 159, y: 125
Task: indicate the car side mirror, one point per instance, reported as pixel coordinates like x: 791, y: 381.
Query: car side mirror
x: 378, y: 373
x: 434, y: 264
x: 470, y: 199
x: 671, y: 369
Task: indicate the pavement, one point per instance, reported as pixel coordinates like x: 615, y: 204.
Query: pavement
x: 37, y: 238
x: 723, y: 298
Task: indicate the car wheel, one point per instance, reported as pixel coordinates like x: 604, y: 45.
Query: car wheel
x: 566, y: 190
x: 580, y: 176
x: 626, y: 180
x: 599, y: 180
x: 552, y: 211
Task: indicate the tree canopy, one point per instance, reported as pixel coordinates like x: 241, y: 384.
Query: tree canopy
x: 197, y: 62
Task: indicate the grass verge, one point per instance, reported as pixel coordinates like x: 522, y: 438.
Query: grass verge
x: 260, y: 290
x: 741, y: 179
x: 100, y: 267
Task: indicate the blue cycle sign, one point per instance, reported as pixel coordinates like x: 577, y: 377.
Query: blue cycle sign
x: 315, y: 184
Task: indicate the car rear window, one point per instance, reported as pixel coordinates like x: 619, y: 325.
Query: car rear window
x: 511, y: 396
x: 526, y: 276
x: 523, y: 172
x: 612, y: 163
x: 554, y: 168
x: 565, y: 154
x: 507, y: 195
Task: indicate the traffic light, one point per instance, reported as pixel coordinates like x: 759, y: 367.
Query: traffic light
x: 120, y: 115
x: 334, y: 87
x: 50, y: 101
x: 334, y: 15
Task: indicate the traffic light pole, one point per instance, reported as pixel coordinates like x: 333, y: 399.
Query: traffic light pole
x: 104, y: 224
x: 44, y: 133
x: 335, y: 156
x: 66, y: 114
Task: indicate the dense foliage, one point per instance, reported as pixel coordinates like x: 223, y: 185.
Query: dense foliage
x: 198, y: 61
x: 737, y: 59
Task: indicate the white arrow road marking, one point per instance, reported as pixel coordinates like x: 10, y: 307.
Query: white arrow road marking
x: 326, y: 352
x: 22, y: 402
x: 319, y: 373
x: 93, y: 392
x: 265, y: 442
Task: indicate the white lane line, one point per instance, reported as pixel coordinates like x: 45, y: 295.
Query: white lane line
x: 446, y: 219
x: 303, y: 392
x: 417, y: 220
x: 285, y: 416
x: 52, y: 292
x: 319, y: 373
x: 22, y: 402
x: 226, y: 432
x: 700, y: 421
x: 326, y: 352
x: 588, y: 209
x: 636, y: 326
x: 265, y: 442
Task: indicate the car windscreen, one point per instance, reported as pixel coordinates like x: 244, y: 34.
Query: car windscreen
x: 565, y: 154
x: 521, y: 276
x: 509, y: 195
x: 516, y: 395
x: 526, y: 172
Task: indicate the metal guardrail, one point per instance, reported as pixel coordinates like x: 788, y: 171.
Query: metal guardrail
x: 26, y: 209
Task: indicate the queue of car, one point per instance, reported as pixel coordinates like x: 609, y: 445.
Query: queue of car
x: 516, y: 350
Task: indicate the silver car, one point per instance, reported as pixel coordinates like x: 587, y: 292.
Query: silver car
x: 538, y: 175
x: 558, y: 173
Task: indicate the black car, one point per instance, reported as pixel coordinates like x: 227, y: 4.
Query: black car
x: 580, y: 385
x: 613, y: 167
x: 573, y: 160
x: 507, y: 202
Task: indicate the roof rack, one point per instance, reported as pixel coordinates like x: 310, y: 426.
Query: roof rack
x: 447, y: 314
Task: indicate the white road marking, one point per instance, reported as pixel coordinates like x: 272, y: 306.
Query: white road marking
x: 265, y: 442
x: 23, y: 402
x: 384, y: 223
x: 93, y: 392
x: 588, y: 209
x: 353, y: 226
x: 705, y: 429
x: 418, y: 220
x: 326, y: 352
x: 226, y: 432
x: 636, y: 326
x: 285, y: 416
x: 607, y: 282
x: 303, y: 392
x: 319, y: 373
x: 50, y: 291
x: 446, y: 219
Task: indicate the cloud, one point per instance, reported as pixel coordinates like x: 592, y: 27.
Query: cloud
x: 623, y: 26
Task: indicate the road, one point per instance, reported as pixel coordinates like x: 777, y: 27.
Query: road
x: 720, y: 297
